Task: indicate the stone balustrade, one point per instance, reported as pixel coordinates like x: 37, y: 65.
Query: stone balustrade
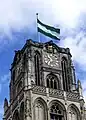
x: 71, y: 96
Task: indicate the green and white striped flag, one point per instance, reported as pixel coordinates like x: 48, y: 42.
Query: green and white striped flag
x: 48, y: 30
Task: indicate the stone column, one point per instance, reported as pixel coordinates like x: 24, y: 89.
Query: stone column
x: 28, y: 113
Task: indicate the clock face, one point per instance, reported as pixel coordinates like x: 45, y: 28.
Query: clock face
x: 51, y: 60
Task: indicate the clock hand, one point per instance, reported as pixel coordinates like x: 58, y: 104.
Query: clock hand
x: 51, y: 58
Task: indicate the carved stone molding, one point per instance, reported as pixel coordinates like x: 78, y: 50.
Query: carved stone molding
x: 56, y: 93
x: 39, y: 90
x: 72, y: 96
x: 28, y: 108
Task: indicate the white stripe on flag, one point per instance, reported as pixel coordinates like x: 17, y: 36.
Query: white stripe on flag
x: 48, y: 31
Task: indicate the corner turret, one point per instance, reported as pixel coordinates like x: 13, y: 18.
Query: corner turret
x: 5, y: 105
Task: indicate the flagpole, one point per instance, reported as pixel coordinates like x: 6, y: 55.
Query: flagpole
x: 38, y: 37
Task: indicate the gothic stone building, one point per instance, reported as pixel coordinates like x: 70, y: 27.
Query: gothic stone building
x: 43, y: 85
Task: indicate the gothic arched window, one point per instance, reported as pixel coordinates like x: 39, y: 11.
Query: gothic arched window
x: 52, y: 81
x: 64, y: 64
x: 73, y: 113
x: 40, y: 112
x: 37, y: 59
x: 56, y: 112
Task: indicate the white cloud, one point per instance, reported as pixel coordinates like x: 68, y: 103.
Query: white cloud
x: 84, y: 91
x: 77, y: 45
x: 84, y: 85
x: 19, y: 14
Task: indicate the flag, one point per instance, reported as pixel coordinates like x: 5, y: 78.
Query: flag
x: 48, y: 30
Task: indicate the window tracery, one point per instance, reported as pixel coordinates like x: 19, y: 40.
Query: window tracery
x: 72, y: 114
x: 39, y: 111
x: 56, y: 112
x: 52, y: 81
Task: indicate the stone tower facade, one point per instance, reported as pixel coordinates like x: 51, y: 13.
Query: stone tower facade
x: 43, y: 85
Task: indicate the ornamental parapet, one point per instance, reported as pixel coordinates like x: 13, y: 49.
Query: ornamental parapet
x: 56, y: 93
x: 41, y: 90
x: 72, y: 96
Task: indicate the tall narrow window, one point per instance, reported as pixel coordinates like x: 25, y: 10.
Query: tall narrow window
x: 65, y: 74
x: 73, y: 114
x: 52, y: 81
x: 37, y: 68
x: 47, y: 82
x: 39, y: 111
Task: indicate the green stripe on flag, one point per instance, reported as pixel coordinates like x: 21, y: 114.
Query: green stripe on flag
x: 48, y: 30
x: 47, y: 34
x: 49, y: 27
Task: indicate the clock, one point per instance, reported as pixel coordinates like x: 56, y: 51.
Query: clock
x: 51, y: 60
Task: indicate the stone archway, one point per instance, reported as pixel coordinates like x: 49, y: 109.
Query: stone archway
x: 57, y: 110
x: 40, y: 109
x: 73, y: 112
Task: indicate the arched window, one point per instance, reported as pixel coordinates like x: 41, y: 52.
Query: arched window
x: 56, y: 112
x: 37, y: 59
x: 64, y: 64
x: 40, y: 112
x: 73, y: 113
x: 52, y: 81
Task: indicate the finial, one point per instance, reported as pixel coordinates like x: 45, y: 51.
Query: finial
x: 5, y: 102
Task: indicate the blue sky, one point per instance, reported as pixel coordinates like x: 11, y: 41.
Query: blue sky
x: 18, y: 23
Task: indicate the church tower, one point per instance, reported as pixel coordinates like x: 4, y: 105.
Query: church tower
x: 43, y: 85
